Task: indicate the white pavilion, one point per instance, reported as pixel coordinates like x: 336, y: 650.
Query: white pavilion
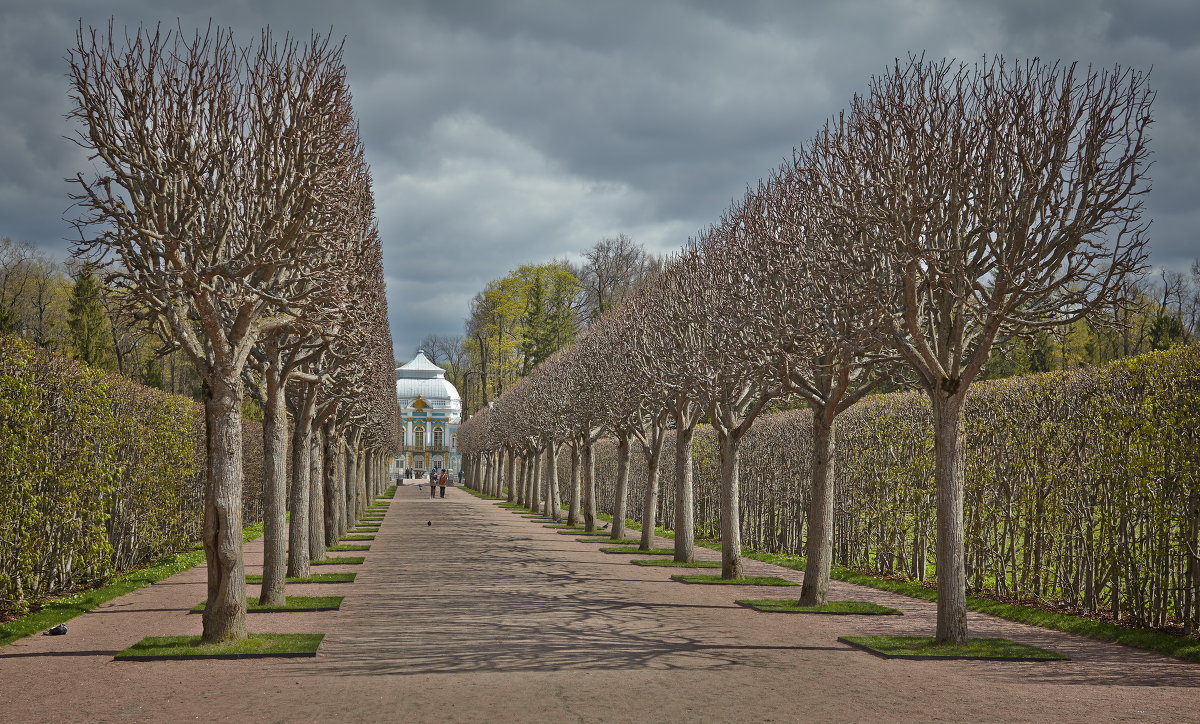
x: 430, y: 412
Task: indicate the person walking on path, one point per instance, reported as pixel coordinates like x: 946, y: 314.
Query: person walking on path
x: 444, y: 480
x: 433, y: 483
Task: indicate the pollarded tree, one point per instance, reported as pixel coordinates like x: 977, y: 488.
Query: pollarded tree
x: 662, y: 323
x: 206, y: 177
x: 993, y: 199
x: 732, y: 370
x: 818, y: 316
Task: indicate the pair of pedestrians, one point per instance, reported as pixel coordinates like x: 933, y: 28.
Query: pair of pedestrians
x: 437, y: 482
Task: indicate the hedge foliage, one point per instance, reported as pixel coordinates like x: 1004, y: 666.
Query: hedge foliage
x: 1083, y: 487
x: 97, y: 474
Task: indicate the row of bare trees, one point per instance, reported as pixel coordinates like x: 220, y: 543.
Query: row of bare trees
x: 232, y: 203
x: 950, y: 208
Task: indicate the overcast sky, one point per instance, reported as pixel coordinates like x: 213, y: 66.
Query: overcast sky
x: 516, y: 131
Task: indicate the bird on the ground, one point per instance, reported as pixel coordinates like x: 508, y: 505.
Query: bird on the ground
x: 429, y: 522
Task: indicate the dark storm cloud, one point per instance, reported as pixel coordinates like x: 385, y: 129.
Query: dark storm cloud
x: 503, y: 133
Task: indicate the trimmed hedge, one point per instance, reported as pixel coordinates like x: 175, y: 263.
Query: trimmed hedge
x: 97, y: 474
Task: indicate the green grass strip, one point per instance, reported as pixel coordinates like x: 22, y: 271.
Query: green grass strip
x: 577, y: 530
x: 360, y: 529
x: 845, y: 608
x: 1178, y: 646
x: 677, y: 564
x: 293, y: 603
x: 743, y: 581
x: 347, y: 547
x: 312, y: 578
x: 636, y: 551
x: 335, y: 561
x: 598, y: 539
x: 58, y: 610
x: 564, y: 526
x: 189, y: 647
x: 480, y: 494
x: 357, y: 537
x: 925, y: 647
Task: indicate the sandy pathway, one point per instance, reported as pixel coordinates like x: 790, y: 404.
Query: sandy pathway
x: 485, y: 616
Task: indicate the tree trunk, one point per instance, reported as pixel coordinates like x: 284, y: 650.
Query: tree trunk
x: 588, y: 462
x: 348, y: 487
x: 329, y: 487
x: 299, y: 552
x: 552, y: 480
x: 275, y: 423
x: 621, y: 493
x: 224, y: 616
x: 685, y: 531
x: 316, y: 496
x: 819, y: 548
x: 360, y: 479
x: 650, y: 501
x: 949, y: 476
x: 573, y: 507
x: 509, y: 463
x: 731, y: 514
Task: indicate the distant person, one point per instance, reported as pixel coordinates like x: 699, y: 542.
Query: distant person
x: 433, y: 483
x: 460, y: 476
x: 444, y: 480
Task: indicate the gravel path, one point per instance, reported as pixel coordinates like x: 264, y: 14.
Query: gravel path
x: 484, y: 616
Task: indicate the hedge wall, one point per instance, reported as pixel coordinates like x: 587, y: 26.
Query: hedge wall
x: 1083, y: 487
x: 97, y: 474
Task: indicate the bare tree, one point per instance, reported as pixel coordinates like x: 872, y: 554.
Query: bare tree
x: 612, y: 268
x: 212, y: 159
x: 993, y: 199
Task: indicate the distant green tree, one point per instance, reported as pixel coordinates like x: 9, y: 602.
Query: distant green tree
x: 87, y: 321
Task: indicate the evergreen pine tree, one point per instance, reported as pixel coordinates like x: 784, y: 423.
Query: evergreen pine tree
x: 86, y: 319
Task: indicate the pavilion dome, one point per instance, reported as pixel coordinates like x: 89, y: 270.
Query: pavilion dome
x: 421, y: 378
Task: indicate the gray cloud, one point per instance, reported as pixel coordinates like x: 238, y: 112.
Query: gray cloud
x: 518, y: 131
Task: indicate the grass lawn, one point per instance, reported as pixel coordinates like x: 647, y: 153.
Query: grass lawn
x: 364, y: 529
x: 924, y: 647
x: 844, y: 608
x: 743, y: 581
x: 189, y: 647
x: 677, y: 564
x: 294, y: 603
x: 335, y: 561
x: 314, y: 578
x: 635, y: 550
x: 604, y: 539
x: 578, y: 530
x: 357, y: 537
x: 347, y: 547
x: 564, y: 526
x: 58, y: 610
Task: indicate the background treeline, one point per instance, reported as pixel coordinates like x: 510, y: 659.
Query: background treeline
x: 65, y: 308
x: 1083, y: 487
x: 518, y: 321
x: 98, y: 474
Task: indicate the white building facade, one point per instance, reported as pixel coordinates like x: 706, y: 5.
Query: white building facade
x: 430, y: 412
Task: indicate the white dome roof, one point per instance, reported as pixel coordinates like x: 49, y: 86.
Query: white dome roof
x: 422, y: 378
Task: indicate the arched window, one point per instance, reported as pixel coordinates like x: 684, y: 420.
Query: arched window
x: 438, y: 437
x: 419, y: 436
